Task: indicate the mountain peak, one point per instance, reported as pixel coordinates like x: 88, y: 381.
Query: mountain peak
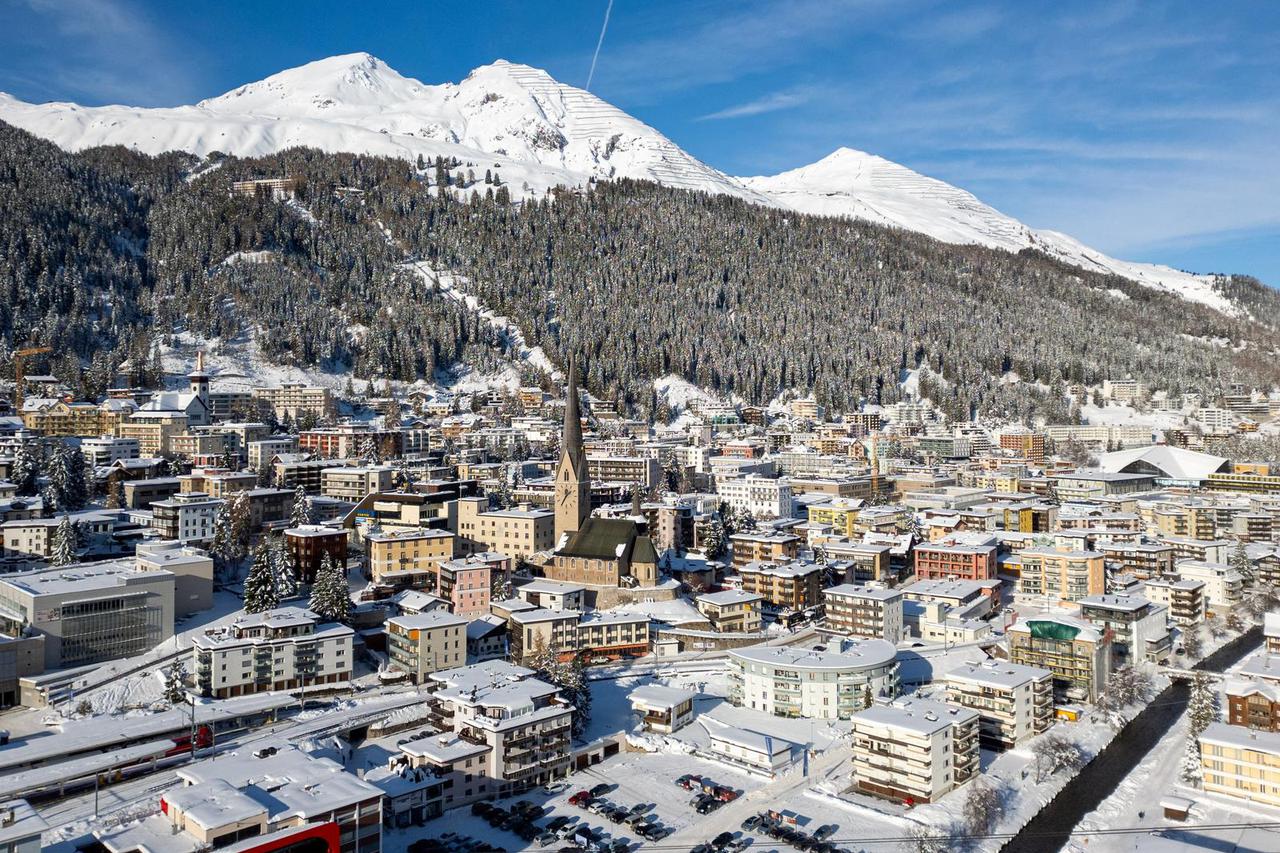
x: 343, y: 80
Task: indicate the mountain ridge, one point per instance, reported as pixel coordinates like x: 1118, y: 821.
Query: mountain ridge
x: 540, y: 133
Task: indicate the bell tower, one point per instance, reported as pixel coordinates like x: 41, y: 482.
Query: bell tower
x: 573, y: 483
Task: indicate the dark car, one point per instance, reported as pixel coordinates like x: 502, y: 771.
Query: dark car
x: 722, y: 839
x: 556, y: 822
x: 708, y: 806
x: 751, y: 823
x: 601, y: 789
x: 825, y: 831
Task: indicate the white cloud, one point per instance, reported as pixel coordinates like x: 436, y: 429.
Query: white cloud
x: 767, y: 104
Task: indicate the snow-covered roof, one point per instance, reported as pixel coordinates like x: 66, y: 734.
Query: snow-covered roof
x: 1174, y: 462
x: 727, y: 597
x: 862, y: 591
x: 864, y: 654
x: 999, y: 674
x: 659, y: 696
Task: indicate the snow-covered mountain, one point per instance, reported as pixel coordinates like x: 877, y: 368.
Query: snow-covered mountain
x: 541, y: 133
x: 864, y: 186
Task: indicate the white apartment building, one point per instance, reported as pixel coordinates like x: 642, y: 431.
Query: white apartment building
x: 798, y: 682
x: 1139, y: 627
x: 354, y: 482
x: 186, y: 518
x: 102, y: 451
x: 914, y: 750
x: 862, y: 611
x: 522, y: 722
x: 763, y: 497
x: 731, y: 610
x: 261, y: 452
x: 422, y: 643
x: 1223, y: 585
x: 288, y: 648
x: 1014, y: 702
x: 1184, y: 598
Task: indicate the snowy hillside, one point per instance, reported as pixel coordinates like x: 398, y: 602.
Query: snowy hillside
x: 540, y: 133
x: 864, y: 186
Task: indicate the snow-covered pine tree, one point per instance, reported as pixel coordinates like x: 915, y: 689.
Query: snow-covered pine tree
x: 369, y: 451
x: 286, y: 580
x: 330, y: 598
x: 260, y: 584
x: 175, y: 683
x: 1202, y: 710
x: 64, y: 543
x: 301, y: 513
x: 27, y: 467
x: 115, y: 493
x: 1241, y: 563
x: 241, y: 525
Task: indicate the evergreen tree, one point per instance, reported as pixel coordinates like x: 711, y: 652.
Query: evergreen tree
x: 175, y: 683
x: 260, y: 590
x: 241, y: 526
x: 27, y: 467
x: 64, y: 543
x: 115, y: 493
x: 282, y: 572
x: 330, y: 597
x: 300, y: 514
x: 223, y: 549
x: 1241, y: 563
x: 714, y: 540
x: 1202, y: 709
x: 67, y: 477
x: 369, y: 453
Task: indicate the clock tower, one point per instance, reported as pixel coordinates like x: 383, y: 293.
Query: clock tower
x: 573, y: 483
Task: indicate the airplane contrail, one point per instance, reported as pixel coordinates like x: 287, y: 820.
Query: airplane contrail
x: 595, y: 56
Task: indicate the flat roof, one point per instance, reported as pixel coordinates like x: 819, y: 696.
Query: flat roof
x: 864, y: 654
x: 1000, y: 674
x: 921, y: 716
x: 860, y: 591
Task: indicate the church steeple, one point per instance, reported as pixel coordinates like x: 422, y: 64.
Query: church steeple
x: 573, y: 483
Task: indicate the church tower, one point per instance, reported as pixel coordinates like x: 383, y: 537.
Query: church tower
x: 199, y: 379
x: 573, y: 483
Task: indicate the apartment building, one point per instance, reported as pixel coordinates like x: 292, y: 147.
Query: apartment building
x: 263, y: 451
x: 90, y: 612
x: 841, y: 514
x: 422, y: 643
x: 1184, y: 598
x: 1241, y: 763
x: 1024, y: 444
x: 287, y: 648
x: 409, y: 558
x: 1223, y: 585
x: 796, y: 585
x: 956, y: 558
x: 1253, y: 701
x: 154, y: 431
x: 352, y: 483
x: 216, y: 483
x: 348, y: 441
x: 1077, y: 653
x: 291, y: 400
x: 731, y: 610
x: 763, y: 497
x: 797, y: 682
x: 521, y: 724
x: 865, y: 612
x: 643, y: 471
x: 914, y: 750
x: 1142, y: 559
x: 101, y: 451
x: 186, y: 518
x: 1139, y: 627
x: 860, y: 562
x: 290, y: 470
x: 662, y: 709
x: 596, y: 635
x: 192, y: 571
x: 308, y: 545
x: 467, y: 583
x: 764, y: 546
x: 1013, y: 702
x: 520, y: 532
x: 1062, y: 576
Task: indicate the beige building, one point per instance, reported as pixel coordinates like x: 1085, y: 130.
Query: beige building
x: 423, y: 643
x: 1062, y: 576
x: 154, y: 431
x: 1078, y: 655
x: 796, y: 585
x: 1241, y: 763
x: 408, y: 557
x: 731, y: 610
x: 520, y: 532
x: 288, y: 648
x: 291, y: 400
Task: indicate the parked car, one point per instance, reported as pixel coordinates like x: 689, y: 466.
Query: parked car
x: 724, y: 795
x: 825, y: 831
x: 708, y: 806
x: 546, y: 839
x: 601, y: 789
x: 580, y: 799
x: 721, y: 840
x: 689, y: 781
x: 751, y: 823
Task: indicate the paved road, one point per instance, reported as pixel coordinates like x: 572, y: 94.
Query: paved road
x: 1052, y: 827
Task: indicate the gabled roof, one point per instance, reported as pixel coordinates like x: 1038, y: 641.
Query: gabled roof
x: 603, y: 539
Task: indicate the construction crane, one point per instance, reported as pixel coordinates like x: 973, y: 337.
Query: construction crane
x: 19, y: 374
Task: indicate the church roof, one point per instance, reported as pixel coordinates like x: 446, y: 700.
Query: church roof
x: 571, y: 436
x: 644, y: 552
x: 602, y: 539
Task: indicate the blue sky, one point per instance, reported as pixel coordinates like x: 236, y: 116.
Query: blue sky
x: 1147, y: 129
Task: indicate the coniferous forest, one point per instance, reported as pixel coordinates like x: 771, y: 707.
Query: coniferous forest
x: 106, y: 253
